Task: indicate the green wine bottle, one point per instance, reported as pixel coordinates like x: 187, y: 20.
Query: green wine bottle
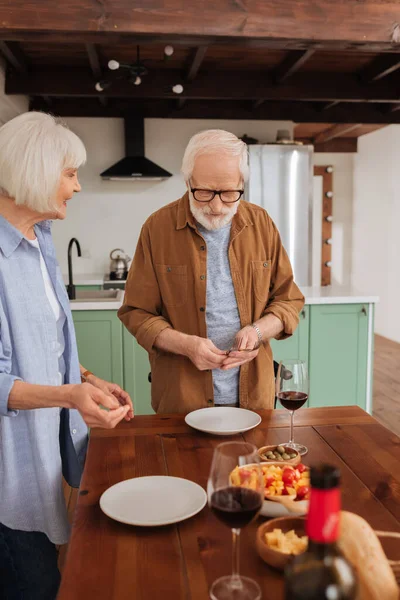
x: 322, y: 572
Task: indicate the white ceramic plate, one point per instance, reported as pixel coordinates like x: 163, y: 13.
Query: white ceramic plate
x: 275, y: 509
x: 220, y: 420
x: 153, y: 501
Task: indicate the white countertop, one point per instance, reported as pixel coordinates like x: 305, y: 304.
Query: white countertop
x: 336, y: 294
x: 99, y: 304
x: 333, y: 294
x: 90, y: 279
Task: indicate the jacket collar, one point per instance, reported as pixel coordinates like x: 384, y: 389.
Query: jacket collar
x: 11, y: 237
x: 185, y: 217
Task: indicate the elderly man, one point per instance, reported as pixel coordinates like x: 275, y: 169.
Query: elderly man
x: 209, y: 286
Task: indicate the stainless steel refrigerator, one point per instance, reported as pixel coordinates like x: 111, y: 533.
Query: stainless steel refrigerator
x: 281, y: 178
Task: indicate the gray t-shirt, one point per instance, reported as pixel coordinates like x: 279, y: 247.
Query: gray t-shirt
x: 222, y: 315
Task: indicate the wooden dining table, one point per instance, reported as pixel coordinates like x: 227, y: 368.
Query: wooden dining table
x: 108, y: 560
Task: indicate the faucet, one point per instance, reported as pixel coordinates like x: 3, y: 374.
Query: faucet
x: 71, y: 288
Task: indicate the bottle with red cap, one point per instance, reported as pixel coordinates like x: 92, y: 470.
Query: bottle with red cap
x: 322, y: 572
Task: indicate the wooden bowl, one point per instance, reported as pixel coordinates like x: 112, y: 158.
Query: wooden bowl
x: 274, y: 558
x: 292, y: 461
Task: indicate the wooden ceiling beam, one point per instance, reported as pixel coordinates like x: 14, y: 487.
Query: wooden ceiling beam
x: 227, y: 85
x: 294, y: 60
x: 114, y: 38
x: 299, y: 112
x: 345, y: 144
x: 14, y: 56
x: 196, y: 59
x: 334, y: 132
x: 380, y: 67
x: 329, y: 105
x: 320, y: 20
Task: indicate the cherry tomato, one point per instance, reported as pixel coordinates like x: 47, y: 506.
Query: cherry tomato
x: 288, y: 476
x: 245, y: 475
x: 302, y: 492
x: 301, y: 468
x: 269, y: 480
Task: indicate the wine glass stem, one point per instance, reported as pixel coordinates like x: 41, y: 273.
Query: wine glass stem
x: 236, y: 581
x: 291, y: 427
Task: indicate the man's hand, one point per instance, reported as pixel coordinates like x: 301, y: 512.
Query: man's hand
x: 203, y: 354
x: 88, y: 400
x: 245, y: 349
x: 113, y: 390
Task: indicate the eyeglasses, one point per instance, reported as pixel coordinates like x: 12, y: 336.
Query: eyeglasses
x: 226, y: 196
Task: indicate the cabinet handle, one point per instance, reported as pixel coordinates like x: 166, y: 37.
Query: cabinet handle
x: 364, y: 311
x: 303, y: 314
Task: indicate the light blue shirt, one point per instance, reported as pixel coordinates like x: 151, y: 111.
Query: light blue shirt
x: 222, y: 313
x: 31, y: 494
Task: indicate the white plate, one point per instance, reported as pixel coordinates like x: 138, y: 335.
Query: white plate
x: 275, y: 509
x: 220, y: 420
x: 153, y: 501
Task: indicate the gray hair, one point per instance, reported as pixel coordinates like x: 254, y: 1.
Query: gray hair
x: 214, y: 141
x: 35, y: 148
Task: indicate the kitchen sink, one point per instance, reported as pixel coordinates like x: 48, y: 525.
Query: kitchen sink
x: 98, y: 295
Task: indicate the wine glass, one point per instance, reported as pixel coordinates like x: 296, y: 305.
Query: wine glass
x: 292, y: 392
x: 235, y: 495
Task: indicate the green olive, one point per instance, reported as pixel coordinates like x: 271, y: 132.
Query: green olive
x: 280, y: 450
x: 293, y: 455
x: 285, y: 456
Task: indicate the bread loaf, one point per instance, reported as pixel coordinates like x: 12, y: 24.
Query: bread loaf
x: 363, y: 550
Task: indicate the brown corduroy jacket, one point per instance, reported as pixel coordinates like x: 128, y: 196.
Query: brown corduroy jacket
x: 166, y: 287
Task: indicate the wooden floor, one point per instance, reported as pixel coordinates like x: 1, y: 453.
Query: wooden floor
x: 386, y: 403
x: 386, y: 397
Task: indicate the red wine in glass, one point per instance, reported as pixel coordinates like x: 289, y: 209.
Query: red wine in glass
x: 292, y: 400
x: 235, y: 506
x: 292, y: 392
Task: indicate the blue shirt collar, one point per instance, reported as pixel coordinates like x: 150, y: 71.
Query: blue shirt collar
x: 11, y: 237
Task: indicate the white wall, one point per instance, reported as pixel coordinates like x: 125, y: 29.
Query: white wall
x: 342, y: 208
x: 376, y: 218
x: 109, y: 214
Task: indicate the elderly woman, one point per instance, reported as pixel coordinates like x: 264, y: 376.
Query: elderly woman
x: 45, y: 409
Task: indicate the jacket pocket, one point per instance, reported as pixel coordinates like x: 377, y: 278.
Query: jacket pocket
x: 261, y: 273
x: 172, y: 280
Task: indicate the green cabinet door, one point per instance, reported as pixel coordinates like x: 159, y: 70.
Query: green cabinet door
x: 92, y: 288
x: 136, y: 374
x: 338, y: 355
x: 99, y: 339
x: 297, y: 345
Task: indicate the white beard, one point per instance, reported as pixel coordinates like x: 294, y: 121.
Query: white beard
x: 212, y: 223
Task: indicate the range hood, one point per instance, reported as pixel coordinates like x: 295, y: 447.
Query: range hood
x: 135, y: 166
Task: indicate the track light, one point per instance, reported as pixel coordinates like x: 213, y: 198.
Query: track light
x: 113, y: 65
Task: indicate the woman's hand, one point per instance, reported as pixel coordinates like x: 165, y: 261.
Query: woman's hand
x: 98, y: 409
x: 113, y: 390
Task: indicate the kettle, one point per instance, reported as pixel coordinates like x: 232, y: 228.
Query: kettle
x: 119, y: 265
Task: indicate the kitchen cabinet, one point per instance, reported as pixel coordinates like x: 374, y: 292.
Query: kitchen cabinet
x: 136, y: 374
x: 338, y: 359
x: 99, y: 339
x: 297, y: 345
x: 89, y: 287
x: 335, y: 340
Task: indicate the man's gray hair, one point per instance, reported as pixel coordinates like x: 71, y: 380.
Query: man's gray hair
x: 35, y: 148
x: 214, y: 141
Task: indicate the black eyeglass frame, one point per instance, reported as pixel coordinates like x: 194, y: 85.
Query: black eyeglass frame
x: 215, y: 193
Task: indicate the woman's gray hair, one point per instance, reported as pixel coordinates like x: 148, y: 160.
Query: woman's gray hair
x: 214, y: 141
x: 35, y: 148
